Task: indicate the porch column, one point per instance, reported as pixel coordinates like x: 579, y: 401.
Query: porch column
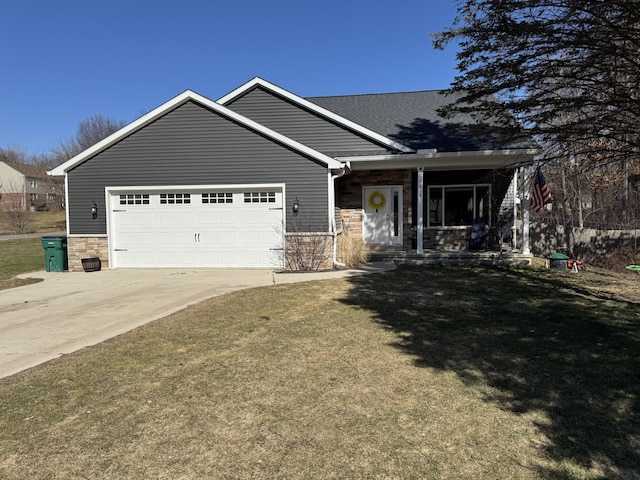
x: 516, y: 202
x: 420, y: 213
x: 526, y: 245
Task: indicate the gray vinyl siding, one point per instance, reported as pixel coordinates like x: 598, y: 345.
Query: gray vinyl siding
x: 192, y: 145
x: 302, y: 125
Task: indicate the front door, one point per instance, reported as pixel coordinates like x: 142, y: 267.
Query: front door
x: 382, y: 215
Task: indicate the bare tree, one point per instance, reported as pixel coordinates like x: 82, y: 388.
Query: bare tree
x: 14, y: 202
x: 89, y: 132
x: 13, y: 155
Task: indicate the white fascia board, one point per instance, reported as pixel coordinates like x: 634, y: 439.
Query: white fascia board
x: 444, y: 160
x: 175, y: 102
x: 257, y: 81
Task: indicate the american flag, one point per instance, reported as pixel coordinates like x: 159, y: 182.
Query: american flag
x: 541, y: 194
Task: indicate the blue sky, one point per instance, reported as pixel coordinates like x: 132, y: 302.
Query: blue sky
x: 67, y: 60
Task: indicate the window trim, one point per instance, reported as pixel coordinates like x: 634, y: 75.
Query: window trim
x: 443, y: 188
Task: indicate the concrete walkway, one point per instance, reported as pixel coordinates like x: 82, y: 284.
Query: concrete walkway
x: 68, y: 311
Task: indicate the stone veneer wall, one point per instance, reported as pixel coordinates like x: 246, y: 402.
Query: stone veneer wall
x: 447, y: 238
x: 308, y: 251
x: 87, y: 247
x: 349, y: 221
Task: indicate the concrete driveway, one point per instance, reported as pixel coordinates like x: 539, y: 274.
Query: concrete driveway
x: 68, y: 311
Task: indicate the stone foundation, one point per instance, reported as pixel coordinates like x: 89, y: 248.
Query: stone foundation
x: 308, y: 251
x: 447, y: 238
x: 87, y: 247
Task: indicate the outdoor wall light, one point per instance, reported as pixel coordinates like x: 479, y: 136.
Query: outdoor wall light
x: 94, y: 210
x: 296, y: 206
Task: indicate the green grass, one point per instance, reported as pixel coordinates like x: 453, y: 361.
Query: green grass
x: 425, y: 373
x: 37, y: 222
x: 17, y: 257
x: 26, y: 255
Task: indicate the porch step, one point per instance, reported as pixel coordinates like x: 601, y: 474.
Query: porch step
x: 396, y: 254
x: 386, y: 253
x: 464, y: 257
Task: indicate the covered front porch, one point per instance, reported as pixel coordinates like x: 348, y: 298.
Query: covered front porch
x: 434, y: 209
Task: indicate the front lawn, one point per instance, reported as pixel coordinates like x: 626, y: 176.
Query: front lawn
x: 425, y: 373
x: 20, y: 256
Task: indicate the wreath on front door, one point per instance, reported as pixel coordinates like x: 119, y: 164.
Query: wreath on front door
x: 377, y: 200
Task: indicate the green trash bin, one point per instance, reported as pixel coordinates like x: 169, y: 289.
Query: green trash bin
x: 559, y: 261
x: 55, y: 254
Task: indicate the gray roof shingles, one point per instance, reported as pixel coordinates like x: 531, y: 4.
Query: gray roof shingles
x: 31, y: 171
x: 412, y: 118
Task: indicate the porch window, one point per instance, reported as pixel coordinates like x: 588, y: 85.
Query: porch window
x: 457, y: 205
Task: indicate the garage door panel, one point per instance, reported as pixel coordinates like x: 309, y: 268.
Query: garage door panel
x: 134, y: 258
x: 174, y: 218
x: 135, y: 218
x: 176, y: 258
x: 227, y: 239
x: 217, y: 218
x: 211, y: 230
x: 175, y: 240
x: 135, y: 238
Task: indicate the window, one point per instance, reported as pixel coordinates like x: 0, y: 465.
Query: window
x: 209, y: 198
x: 134, y: 199
x: 175, y: 198
x: 457, y: 205
x: 33, y: 183
x: 260, y: 197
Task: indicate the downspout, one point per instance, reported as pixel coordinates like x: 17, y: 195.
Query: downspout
x: 332, y: 209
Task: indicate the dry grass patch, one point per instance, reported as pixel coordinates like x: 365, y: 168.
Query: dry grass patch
x: 20, y: 256
x: 421, y: 373
x: 36, y: 222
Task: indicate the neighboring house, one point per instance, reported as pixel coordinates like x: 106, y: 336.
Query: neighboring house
x: 27, y: 187
x: 232, y: 183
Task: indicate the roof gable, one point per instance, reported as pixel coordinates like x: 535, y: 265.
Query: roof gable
x: 259, y: 84
x: 190, y: 96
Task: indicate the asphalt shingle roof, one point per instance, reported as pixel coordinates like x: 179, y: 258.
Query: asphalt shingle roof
x: 411, y: 118
x: 31, y: 171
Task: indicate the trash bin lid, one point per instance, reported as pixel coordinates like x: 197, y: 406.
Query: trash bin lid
x: 558, y: 256
x: 53, y: 241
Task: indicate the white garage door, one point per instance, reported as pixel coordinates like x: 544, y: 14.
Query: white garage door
x: 196, y: 228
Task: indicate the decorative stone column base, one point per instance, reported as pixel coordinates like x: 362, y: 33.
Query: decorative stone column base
x: 87, y: 247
